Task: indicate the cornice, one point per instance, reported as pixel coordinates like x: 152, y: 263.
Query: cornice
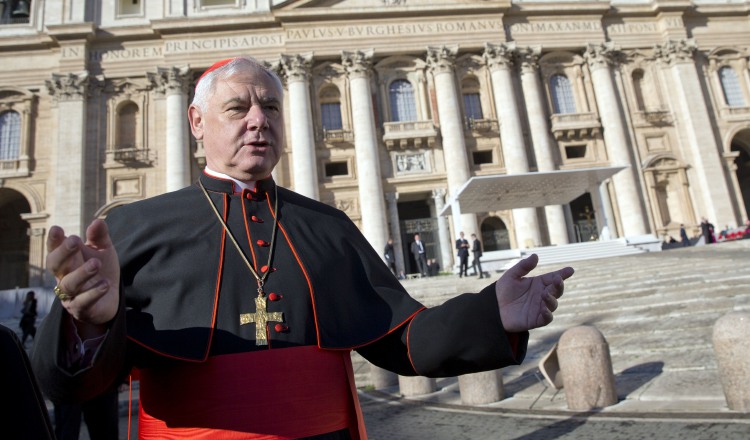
x: 214, y: 23
x: 335, y: 14
x: 75, y: 31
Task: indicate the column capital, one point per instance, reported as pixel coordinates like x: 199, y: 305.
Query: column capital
x: 439, y: 194
x: 391, y: 197
x: 441, y: 59
x: 358, y: 63
x: 69, y: 87
x: 600, y: 55
x: 169, y: 80
x: 499, y: 56
x: 529, y: 57
x: 296, y: 67
x: 673, y: 52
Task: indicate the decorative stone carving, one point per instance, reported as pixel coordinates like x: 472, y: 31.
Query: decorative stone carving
x: 169, y: 80
x: 411, y: 163
x: 357, y: 63
x: 599, y: 55
x: 68, y: 87
x: 529, y: 58
x: 441, y: 59
x: 349, y: 206
x: 296, y: 67
x: 676, y: 51
x: 499, y: 56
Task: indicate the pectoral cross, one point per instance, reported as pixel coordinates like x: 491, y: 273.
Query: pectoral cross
x: 261, y: 317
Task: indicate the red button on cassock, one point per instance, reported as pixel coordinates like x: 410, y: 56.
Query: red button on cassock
x: 280, y: 328
x: 274, y: 296
x: 256, y: 219
x: 263, y: 243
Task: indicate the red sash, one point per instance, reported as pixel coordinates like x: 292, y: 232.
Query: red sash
x: 275, y: 394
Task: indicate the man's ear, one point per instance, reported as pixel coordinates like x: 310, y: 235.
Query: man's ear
x: 195, y: 116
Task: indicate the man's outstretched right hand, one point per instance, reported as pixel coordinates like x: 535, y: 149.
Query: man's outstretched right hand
x: 87, y: 272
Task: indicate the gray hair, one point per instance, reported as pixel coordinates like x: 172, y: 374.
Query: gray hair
x: 207, y: 84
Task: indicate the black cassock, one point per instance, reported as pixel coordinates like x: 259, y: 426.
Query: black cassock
x: 185, y: 285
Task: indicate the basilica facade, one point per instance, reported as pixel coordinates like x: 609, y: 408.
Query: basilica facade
x: 391, y: 106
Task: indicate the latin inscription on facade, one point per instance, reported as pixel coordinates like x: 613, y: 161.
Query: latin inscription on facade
x: 380, y: 30
x: 554, y: 27
x: 172, y: 47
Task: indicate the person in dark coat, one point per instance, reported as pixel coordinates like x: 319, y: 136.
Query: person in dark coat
x: 683, y: 236
x: 28, y: 317
x: 236, y: 297
x: 476, y: 250
x: 390, y: 256
x: 462, y: 246
x: 419, y: 250
x: 25, y: 413
x: 707, y: 229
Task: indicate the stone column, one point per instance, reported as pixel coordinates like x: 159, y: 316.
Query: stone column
x: 70, y: 92
x: 444, y: 236
x: 499, y: 58
x: 540, y: 137
x: 698, y: 133
x: 296, y: 71
x: 374, y: 225
x: 440, y: 61
x: 616, y: 141
x: 174, y: 82
x: 398, y: 249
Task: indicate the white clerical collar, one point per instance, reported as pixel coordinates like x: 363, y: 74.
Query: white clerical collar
x: 240, y: 184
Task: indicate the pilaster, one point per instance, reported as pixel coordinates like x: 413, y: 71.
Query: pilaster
x: 702, y: 145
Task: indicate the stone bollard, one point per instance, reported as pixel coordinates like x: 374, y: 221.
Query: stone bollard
x: 586, y: 369
x: 381, y: 378
x: 416, y: 385
x: 481, y: 388
x: 731, y: 340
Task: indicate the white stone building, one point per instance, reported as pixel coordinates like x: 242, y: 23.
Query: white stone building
x: 391, y: 106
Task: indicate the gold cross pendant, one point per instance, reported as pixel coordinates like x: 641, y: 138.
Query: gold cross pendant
x: 261, y: 317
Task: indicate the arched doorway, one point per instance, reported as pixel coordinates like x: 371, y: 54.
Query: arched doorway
x: 495, y: 235
x: 741, y: 143
x: 14, y: 240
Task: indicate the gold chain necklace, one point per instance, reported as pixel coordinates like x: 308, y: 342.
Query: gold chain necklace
x: 261, y: 317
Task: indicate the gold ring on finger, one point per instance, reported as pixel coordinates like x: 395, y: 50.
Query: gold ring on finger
x: 64, y: 296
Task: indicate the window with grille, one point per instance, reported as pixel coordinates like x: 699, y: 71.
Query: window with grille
x: 403, y: 107
x: 10, y: 135
x: 473, y: 106
x: 562, y: 94
x: 330, y: 113
x: 730, y: 84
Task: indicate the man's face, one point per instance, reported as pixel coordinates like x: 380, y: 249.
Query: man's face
x: 242, y: 126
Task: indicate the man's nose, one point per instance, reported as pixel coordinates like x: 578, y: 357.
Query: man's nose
x: 256, y: 119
